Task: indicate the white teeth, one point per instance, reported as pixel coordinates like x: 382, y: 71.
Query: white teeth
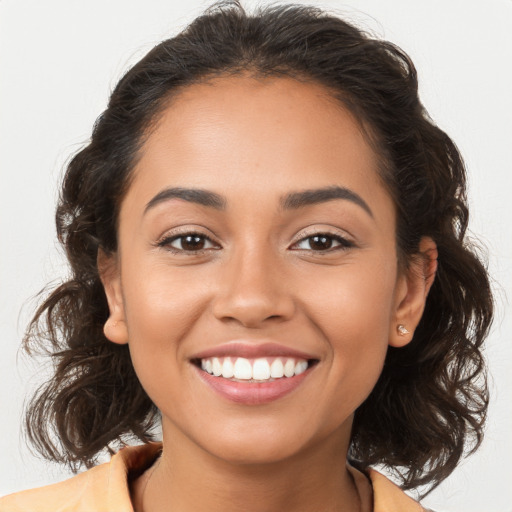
x: 301, y: 367
x: 253, y: 369
x: 289, y: 368
x: 277, y: 369
x: 227, y: 368
x: 216, y: 367
x: 242, y: 369
x: 261, y: 370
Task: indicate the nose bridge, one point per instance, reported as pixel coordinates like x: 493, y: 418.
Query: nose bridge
x: 253, y: 287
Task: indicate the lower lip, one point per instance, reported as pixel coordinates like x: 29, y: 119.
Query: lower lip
x: 253, y: 393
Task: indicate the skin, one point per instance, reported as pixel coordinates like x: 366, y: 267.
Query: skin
x: 254, y: 141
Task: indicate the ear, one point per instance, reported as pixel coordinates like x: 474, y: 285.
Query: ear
x: 115, y: 327
x: 411, y: 293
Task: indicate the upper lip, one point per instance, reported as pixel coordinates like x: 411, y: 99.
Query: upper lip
x: 252, y: 350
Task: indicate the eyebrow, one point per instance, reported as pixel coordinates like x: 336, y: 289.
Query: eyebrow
x: 304, y: 198
x: 292, y: 201
x: 192, y: 195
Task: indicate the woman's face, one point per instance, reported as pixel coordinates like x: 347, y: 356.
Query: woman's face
x: 256, y: 231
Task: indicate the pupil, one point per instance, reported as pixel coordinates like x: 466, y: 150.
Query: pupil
x: 192, y: 242
x: 320, y: 242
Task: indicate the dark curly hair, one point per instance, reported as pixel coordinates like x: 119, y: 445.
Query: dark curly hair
x: 428, y: 407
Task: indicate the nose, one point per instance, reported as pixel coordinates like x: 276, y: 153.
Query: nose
x: 253, y: 290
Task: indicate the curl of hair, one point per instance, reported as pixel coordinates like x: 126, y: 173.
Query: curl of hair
x: 429, y: 404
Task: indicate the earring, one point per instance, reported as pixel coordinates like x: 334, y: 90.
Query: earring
x: 402, y: 330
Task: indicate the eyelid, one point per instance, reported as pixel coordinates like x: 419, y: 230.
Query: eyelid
x: 187, y: 229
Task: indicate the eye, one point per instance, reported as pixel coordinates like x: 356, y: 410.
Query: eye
x: 188, y: 242
x: 322, y: 242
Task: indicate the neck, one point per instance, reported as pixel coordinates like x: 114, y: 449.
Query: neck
x: 187, y: 478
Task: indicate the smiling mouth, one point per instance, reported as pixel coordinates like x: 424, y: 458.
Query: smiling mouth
x: 263, y: 369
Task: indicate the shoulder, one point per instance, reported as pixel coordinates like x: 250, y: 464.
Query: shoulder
x: 388, y: 497
x: 102, y: 488
x: 80, y: 493
x: 379, y: 494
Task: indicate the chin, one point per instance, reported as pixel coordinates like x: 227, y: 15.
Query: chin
x: 253, y: 454
x: 255, y: 443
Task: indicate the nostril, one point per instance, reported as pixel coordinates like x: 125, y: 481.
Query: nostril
x: 252, y: 302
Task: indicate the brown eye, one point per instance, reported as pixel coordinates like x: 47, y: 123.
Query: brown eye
x: 323, y: 242
x: 320, y: 242
x: 190, y: 242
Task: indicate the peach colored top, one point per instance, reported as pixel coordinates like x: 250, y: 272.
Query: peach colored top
x: 105, y: 488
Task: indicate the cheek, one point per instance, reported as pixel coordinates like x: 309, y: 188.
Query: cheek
x: 162, y: 297
x: 351, y: 300
x: 161, y: 308
x: 353, y: 311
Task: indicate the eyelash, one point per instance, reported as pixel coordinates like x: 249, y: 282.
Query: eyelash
x: 166, y: 242
x: 344, y: 243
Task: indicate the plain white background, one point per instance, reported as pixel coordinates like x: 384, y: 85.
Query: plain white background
x: 60, y: 58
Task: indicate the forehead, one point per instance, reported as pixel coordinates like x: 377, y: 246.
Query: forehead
x: 257, y: 108
x: 256, y: 134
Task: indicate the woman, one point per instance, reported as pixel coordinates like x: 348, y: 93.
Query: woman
x: 266, y: 234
